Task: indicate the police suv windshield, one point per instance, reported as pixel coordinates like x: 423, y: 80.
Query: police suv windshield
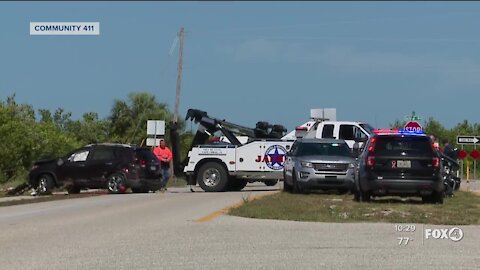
x: 324, y: 149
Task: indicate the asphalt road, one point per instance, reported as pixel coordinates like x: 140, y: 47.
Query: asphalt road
x: 162, y: 231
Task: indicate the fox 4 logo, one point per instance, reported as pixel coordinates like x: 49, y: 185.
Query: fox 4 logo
x: 454, y: 234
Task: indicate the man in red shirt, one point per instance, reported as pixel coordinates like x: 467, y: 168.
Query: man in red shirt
x: 164, y: 154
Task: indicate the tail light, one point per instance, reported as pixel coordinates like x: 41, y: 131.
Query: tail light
x: 143, y: 163
x: 371, y: 148
x: 436, y: 162
x: 370, y: 161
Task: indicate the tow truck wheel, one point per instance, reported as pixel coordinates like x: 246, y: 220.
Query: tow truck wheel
x: 237, y: 184
x: 212, y: 177
x: 271, y: 183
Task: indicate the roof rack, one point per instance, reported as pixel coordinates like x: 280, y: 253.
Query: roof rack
x: 111, y: 144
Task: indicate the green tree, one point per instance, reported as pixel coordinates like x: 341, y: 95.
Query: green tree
x: 128, y: 119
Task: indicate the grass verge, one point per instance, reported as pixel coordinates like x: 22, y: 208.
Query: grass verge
x: 462, y: 209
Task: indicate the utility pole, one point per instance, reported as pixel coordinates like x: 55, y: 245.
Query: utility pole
x: 174, y: 133
x: 179, y: 76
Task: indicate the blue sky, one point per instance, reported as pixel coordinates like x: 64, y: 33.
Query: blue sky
x: 252, y: 61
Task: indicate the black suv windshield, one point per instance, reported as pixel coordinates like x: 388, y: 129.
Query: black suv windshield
x: 403, y: 145
x: 324, y: 149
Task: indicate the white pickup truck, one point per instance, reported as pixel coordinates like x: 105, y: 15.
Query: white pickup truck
x: 344, y: 130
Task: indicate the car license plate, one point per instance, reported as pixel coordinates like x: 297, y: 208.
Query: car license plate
x: 153, y: 168
x: 404, y: 164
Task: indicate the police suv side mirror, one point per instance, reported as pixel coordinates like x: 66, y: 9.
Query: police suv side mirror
x: 356, y: 149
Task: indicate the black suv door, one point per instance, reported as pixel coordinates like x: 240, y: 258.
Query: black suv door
x: 74, y: 167
x: 101, y: 163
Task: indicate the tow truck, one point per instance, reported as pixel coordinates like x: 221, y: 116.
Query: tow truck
x: 226, y: 156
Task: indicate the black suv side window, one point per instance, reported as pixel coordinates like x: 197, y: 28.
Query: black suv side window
x: 79, y: 156
x: 145, y: 154
x: 327, y: 131
x: 102, y: 153
x: 346, y: 132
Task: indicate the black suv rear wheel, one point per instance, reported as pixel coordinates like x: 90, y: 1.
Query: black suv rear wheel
x: 116, y: 183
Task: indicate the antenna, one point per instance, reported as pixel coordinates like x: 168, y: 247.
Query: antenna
x: 179, y: 77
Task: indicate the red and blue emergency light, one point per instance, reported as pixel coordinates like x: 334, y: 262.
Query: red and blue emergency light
x: 398, y: 131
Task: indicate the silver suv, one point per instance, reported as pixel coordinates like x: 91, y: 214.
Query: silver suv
x: 319, y: 164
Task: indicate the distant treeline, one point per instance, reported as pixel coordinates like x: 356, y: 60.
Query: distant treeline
x: 27, y: 135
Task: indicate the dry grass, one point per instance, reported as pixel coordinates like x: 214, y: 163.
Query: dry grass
x: 462, y: 209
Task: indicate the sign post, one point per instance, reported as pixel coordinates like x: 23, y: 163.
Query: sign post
x: 462, y: 140
x: 155, y: 128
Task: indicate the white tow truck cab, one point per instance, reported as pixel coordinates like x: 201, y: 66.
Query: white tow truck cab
x: 241, y: 155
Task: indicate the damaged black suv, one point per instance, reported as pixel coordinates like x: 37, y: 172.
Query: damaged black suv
x: 115, y: 167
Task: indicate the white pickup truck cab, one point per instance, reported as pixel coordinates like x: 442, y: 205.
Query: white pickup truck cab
x: 345, y: 130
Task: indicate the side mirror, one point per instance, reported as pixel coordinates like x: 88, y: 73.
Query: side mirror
x: 356, y: 150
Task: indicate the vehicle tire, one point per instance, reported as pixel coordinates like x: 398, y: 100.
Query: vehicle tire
x: 140, y: 190
x: 45, y: 184
x: 271, y: 183
x: 236, y: 184
x: 116, y: 183
x: 437, y: 197
x: 297, y: 189
x: 362, y: 196
x: 457, y: 186
x: 359, y: 195
x: 212, y: 177
x: 426, y: 199
x: 73, y: 189
x: 287, y: 187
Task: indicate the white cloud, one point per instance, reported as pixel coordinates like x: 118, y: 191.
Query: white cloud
x: 257, y: 50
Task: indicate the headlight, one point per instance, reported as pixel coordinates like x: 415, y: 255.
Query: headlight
x: 306, y: 164
x: 351, y: 166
